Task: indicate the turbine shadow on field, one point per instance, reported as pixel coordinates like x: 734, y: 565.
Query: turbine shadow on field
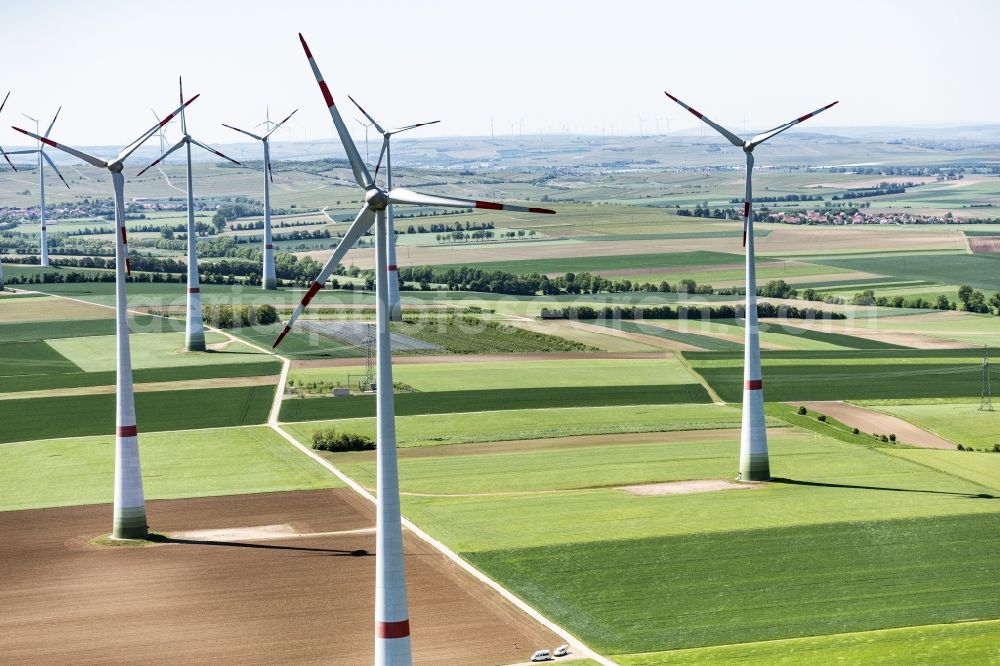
x: 798, y: 482
x: 336, y: 552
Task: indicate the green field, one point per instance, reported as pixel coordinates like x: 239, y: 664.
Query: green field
x: 33, y: 358
x: 524, y: 373
x: 440, y: 429
x: 38, y: 382
x: 447, y: 402
x: 603, y: 263
x: 978, y: 270
x: 75, y: 328
x: 759, y: 585
x: 929, y: 645
x: 151, y: 350
x: 229, y: 461
x: 693, y: 339
x: 960, y: 422
x: 78, y: 415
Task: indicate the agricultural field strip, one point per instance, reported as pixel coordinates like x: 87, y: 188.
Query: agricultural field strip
x: 272, y: 422
x: 355, y: 333
x: 38, y: 382
x: 189, y: 384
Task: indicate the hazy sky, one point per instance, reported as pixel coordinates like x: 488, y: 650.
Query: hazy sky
x: 583, y: 65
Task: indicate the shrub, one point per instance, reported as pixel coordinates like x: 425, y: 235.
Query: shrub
x: 856, y: 431
x: 961, y: 448
x: 996, y: 448
x: 331, y: 440
x: 892, y: 437
x: 884, y: 438
x: 802, y: 411
x: 822, y: 417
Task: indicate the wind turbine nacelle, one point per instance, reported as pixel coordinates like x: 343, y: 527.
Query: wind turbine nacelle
x: 376, y: 199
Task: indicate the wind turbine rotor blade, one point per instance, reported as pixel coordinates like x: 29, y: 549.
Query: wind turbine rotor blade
x: 4, y: 102
x: 250, y: 134
x: 132, y: 147
x: 400, y: 195
x: 733, y: 139
x: 370, y: 119
x: 7, y: 158
x: 53, y: 122
x: 162, y: 157
x: 53, y: 165
x: 180, y: 88
x: 385, y: 145
x: 22, y: 152
x: 414, y: 126
x: 270, y: 172
x: 764, y: 136
x: 214, y: 151
x: 362, y: 223
x: 361, y: 175
x: 275, y: 128
x: 89, y: 159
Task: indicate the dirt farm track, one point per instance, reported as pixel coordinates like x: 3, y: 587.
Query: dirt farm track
x: 293, y: 599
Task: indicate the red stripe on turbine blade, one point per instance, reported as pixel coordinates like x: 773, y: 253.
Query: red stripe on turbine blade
x: 696, y: 113
x: 746, y: 209
x: 753, y: 384
x: 50, y: 142
x: 316, y: 286
x: 128, y: 267
x: 124, y: 237
x: 544, y: 211
x: 489, y: 205
x: 326, y: 93
x: 305, y: 46
x: 399, y: 629
x: 194, y: 290
x: 281, y: 337
x: 127, y: 431
x: 805, y: 117
x: 393, y: 267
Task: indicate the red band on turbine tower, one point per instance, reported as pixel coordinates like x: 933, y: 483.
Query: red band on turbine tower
x: 399, y: 629
x: 194, y: 290
x: 753, y: 384
x: 127, y: 431
x: 268, y: 246
x: 393, y: 267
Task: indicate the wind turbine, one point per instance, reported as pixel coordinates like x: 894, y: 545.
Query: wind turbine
x: 194, y: 333
x: 395, y: 308
x: 40, y: 151
x: 268, y: 280
x: 3, y: 104
x: 129, y: 503
x: 392, y: 626
x: 754, y: 464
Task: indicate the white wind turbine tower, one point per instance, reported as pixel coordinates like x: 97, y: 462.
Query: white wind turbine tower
x: 754, y: 463
x: 194, y: 333
x: 268, y: 279
x: 40, y: 151
x: 395, y: 308
x: 129, y: 503
x: 3, y: 104
x: 392, y: 626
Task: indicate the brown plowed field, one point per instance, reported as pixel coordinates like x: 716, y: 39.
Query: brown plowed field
x: 289, y: 600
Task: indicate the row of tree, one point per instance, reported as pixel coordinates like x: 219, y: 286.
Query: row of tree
x: 768, y: 310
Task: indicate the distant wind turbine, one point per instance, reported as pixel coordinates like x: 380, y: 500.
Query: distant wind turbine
x: 129, y: 504
x: 43, y: 243
x: 395, y: 307
x: 754, y: 463
x: 194, y: 331
x: 268, y: 279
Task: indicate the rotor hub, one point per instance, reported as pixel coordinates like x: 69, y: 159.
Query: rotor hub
x: 376, y: 199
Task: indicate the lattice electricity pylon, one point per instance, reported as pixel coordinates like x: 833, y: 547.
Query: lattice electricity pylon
x: 986, y: 399
x: 368, y: 383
